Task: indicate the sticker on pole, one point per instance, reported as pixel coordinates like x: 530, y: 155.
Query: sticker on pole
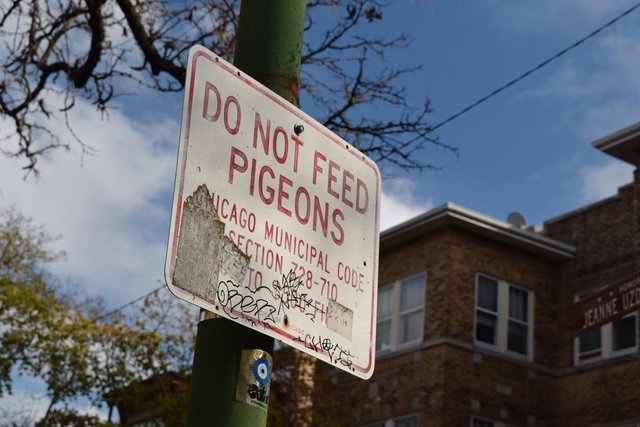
x: 275, y: 219
x: 254, y: 378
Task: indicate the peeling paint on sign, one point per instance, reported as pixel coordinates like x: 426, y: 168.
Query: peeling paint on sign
x: 340, y: 319
x: 283, y: 239
x: 204, y: 253
x: 234, y: 261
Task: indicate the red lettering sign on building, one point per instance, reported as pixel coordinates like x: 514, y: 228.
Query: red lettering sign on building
x: 275, y: 220
x: 607, y: 305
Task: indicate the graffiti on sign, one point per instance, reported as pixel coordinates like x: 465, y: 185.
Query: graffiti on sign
x: 273, y: 227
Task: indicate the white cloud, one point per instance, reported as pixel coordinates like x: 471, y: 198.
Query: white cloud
x: 399, y: 202
x: 609, y: 66
x: 622, y: 53
x: 610, y: 116
x: 22, y: 407
x: 598, y: 182
x: 570, y: 83
x: 596, y: 89
x: 108, y: 207
x: 113, y: 209
x: 554, y: 16
x: 28, y: 403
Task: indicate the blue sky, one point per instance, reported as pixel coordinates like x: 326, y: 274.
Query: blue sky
x: 527, y: 149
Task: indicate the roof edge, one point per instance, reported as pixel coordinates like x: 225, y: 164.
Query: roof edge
x: 623, y: 144
x: 452, y: 214
x: 590, y: 206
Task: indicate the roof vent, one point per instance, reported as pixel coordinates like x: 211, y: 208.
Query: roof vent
x: 517, y: 220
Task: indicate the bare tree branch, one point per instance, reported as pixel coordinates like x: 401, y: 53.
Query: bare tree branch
x: 57, y: 50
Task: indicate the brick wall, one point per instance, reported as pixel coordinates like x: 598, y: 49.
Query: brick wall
x: 607, y: 249
x: 451, y: 259
x: 605, y: 237
x: 495, y: 388
x: 448, y: 379
x: 484, y: 383
x: 471, y: 255
x: 412, y: 382
x: 636, y: 209
x: 600, y: 394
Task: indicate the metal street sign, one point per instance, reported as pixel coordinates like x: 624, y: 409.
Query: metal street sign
x: 275, y: 220
x: 608, y: 305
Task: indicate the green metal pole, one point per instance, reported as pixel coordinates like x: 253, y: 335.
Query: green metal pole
x: 268, y: 48
x: 216, y: 371
x: 269, y: 43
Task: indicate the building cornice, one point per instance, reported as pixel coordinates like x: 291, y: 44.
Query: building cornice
x: 536, y: 366
x: 624, y: 144
x: 452, y: 215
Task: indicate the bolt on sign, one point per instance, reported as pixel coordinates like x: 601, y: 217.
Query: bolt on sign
x: 275, y: 219
x: 611, y: 303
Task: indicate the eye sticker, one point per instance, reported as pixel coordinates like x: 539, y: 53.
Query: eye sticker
x: 261, y: 371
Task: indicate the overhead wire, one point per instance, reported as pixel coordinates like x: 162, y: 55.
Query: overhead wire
x: 536, y: 68
x: 122, y: 307
x: 454, y: 116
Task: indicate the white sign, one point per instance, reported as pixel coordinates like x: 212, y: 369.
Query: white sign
x: 275, y: 220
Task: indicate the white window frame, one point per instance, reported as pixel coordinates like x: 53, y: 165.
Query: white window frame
x: 502, y: 322
x: 606, y: 339
x: 396, y: 314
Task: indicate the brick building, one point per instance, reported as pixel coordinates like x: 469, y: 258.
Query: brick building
x: 475, y: 321
x: 475, y: 318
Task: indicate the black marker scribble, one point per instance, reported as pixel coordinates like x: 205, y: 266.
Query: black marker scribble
x: 337, y: 354
x: 289, y: 295
x: 234, y: 302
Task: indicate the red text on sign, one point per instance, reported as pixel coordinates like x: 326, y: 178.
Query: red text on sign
x: 279, y: 141
x: 289, y: 200
x: 231, y: 108
x: 344, y: 190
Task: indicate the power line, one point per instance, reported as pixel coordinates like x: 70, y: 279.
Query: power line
x: 122, y: 307
x: 536, y: 68
x: 454, y: 116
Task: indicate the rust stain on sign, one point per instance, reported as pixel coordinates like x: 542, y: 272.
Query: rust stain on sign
x: 204, y: 253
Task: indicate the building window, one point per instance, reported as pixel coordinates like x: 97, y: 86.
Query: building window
x: 614, y: 339
x: 403, y: 421
x: 481, y: 422
x: 400, y: 313
x: 410, y: 421
x: 504, y: 316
